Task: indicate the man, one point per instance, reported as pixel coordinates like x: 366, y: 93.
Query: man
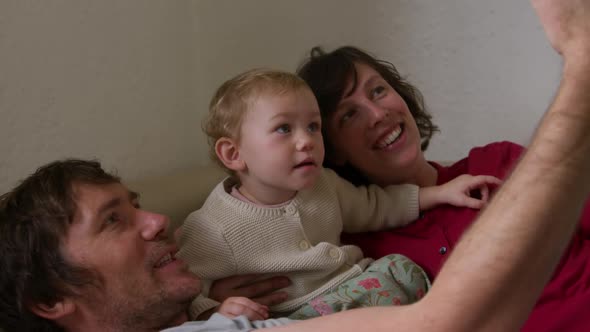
x: 77, y: 253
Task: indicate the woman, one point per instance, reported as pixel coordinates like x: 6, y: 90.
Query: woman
x: 375, y: 130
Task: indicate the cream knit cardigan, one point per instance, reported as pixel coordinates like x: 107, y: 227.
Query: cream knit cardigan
x: 300, y: 240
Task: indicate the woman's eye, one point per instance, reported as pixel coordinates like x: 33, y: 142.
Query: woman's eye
x: 313, y: 127
x: 283, y: 129
x: 377, y: 91
x: 347, y: 116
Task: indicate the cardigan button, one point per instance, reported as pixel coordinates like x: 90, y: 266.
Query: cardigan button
x: 303, y: 245
x: 443, y: 250
x: 334, y: 253
x: 291, y: 210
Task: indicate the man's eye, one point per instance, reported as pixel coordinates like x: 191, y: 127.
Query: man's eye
x: 313, y: 127
x: 113, y: 218
x: 283, y: 129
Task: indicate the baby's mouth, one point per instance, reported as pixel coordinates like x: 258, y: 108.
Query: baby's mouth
x: 306, y: 162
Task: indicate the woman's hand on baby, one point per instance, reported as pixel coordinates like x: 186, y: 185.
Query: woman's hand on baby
x: 472, y: 191
x: 238, y: 306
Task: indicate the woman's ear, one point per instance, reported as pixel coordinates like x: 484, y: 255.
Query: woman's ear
x: 54, y: 311
x: 228, y: 152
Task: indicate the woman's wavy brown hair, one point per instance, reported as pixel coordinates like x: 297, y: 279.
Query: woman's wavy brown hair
x: 327, y: 74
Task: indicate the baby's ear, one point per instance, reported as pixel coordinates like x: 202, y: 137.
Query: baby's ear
x: 228, y: 152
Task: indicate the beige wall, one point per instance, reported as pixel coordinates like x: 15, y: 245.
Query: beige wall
x: 95, y: 79
x: 128, y: 81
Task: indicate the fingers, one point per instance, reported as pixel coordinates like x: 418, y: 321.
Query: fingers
x: 246, y: 286
x: 238, y: 280
x: 485, y: 193
x: 473, y: 203
x: 264, y: 287
x: 237, y: 306
x: 271, y: 299
x: 480, y: 180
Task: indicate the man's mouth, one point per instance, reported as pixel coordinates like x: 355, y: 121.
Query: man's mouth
x: 390, y: 138
x: 165, y: 260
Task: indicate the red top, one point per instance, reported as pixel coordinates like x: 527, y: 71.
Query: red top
x: 565, y: 302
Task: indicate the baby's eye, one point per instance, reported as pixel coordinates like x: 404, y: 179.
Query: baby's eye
x: 313, y: 127
x: 283, y: 129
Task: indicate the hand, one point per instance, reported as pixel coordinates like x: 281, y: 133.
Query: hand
x: 261, y: 291
x: 237, y: 306
x: 566, y: 23
x: 458, y: 191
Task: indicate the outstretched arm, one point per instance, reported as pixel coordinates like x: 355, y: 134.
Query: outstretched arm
x: 497, y: 270
x: 458, y: 191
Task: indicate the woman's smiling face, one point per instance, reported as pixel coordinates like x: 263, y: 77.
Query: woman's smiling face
x: 373, y: 130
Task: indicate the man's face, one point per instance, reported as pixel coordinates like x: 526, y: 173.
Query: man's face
x: 141, y: 282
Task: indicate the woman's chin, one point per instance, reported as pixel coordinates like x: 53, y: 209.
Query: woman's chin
x: 400, y: 167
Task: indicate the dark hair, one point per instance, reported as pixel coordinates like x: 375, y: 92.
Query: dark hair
x: 34, y: 218
x: 327, y: 74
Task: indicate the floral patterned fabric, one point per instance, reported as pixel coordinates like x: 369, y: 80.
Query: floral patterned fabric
x: 391, y: 280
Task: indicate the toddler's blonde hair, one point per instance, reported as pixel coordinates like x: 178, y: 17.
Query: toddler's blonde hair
x: 237, y: 95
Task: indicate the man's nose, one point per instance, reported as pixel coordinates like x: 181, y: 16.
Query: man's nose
x: 153, y: 225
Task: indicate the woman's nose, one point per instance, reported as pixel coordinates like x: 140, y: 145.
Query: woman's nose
x: 152, y: 225
x: 377, y: 113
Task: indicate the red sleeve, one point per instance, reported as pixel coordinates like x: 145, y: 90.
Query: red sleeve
x: 495, y: 159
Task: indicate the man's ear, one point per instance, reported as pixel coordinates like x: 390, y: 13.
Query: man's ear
x: 54, y: 311
x: 228, y: 152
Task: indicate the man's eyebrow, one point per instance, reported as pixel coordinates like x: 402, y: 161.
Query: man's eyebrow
x: 109, y: 205
x: 132, y: 196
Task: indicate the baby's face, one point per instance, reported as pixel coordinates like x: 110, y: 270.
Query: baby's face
x: 281, y: 141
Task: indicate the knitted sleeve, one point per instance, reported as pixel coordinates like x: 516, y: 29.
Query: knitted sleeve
x: 372, y: 208
x: 205, y: 249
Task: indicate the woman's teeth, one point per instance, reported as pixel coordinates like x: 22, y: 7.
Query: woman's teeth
x: 390, y: 138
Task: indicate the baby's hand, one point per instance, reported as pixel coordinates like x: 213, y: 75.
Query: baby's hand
x: 458, y: 191
x: 237, y: 306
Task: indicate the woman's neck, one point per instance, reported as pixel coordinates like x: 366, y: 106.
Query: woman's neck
x: 426, y: 175
x: 422, y: 175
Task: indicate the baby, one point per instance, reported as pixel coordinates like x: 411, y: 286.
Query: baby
x: 280, y: 213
